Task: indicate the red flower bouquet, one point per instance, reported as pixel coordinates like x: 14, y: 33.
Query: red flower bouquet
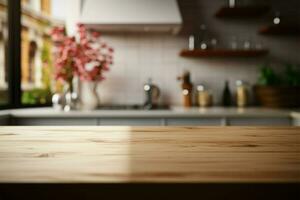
x: 85, y: 55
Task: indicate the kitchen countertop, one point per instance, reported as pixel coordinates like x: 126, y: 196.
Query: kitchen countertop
x: 173, y: 112
x: 4, y: 113
x: 149, y: 154
x: 296, y: 114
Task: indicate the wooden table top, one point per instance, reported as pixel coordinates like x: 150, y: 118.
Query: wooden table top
x: 149, y: 154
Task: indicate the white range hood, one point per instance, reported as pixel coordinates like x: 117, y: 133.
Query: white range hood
x: 131, y: 15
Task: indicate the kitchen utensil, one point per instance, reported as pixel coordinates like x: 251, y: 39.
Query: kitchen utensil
x: 152, y: 95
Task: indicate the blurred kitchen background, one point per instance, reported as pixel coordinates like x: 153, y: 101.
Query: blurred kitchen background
x: 213, y: 41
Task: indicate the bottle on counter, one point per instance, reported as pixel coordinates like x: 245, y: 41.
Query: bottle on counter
x: 204, y: 96
x: 187, y: 88
x: 226, y: 95
x: 242, y: 94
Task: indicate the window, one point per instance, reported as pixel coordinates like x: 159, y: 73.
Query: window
x: 38, y: 17
x: 26, y: 59
x: 4, y: 95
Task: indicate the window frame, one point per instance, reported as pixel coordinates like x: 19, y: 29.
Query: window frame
x: 14, y: 57
x: 13, y: 54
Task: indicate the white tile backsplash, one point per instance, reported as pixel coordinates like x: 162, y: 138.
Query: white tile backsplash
x: 157, y: 57
x: 139, y: 57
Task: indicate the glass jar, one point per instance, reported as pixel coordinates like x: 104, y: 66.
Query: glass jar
x: 242, y: 94
x: 204, y: 97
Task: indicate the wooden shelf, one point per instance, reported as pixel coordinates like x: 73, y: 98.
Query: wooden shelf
x: 280, y: 30
x: 242, y: 11
x: 223, y: 53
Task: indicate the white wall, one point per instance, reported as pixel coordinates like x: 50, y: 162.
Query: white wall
x: 68, y: 10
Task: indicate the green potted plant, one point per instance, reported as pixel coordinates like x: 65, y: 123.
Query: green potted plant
x: 277, y: 91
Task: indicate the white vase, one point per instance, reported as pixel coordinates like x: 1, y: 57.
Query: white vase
x: 89, y: 96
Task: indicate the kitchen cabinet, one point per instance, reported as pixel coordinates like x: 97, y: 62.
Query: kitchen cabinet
x: 55, y: 121
x: 160, y: 121
x: 154, y: 121
x: 4, y: 120
x: 268, y: 121
x: 194, y: 121
x: 173, y: 117
x: 130, y: 122
x: 125, y: 121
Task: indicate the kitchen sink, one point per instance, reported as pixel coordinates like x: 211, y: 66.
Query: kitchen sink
x: 133, y: 107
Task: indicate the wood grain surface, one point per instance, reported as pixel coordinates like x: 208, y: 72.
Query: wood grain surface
x: 149, y: 154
